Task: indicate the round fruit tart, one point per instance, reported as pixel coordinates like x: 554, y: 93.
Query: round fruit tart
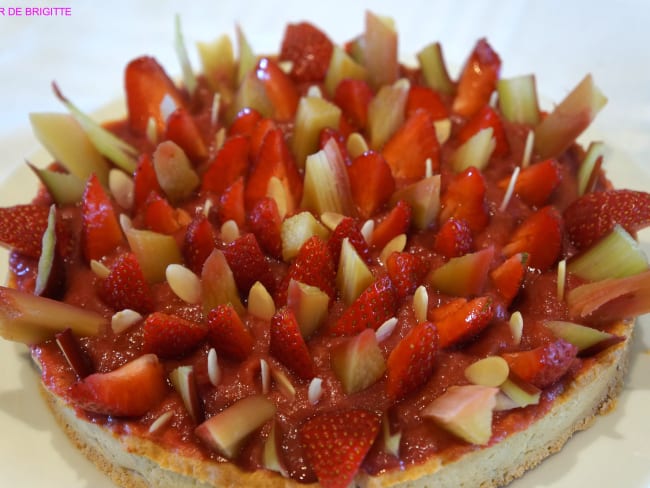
x: 325, y: 267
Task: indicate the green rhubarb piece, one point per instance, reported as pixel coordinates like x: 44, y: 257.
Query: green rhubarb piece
x: 313, y: 115
x: 465, y: 275
x: 246, y: 56
x: 386, y: 112
x: 518, y: 99
x: 476, y: 151
x: 46, y: 259
x: 434, y: 69
x: 353, y: 275
x: 218, y: 62
x: 424, y: 199
x: 595, y: 152
x: 380, y: 50
x: 154, y: 252
x: 181, y: 51
x: 218, y: 285
x: 342, y: 66
x: 64, y: 188
x: 358, y: 362
x: 581, y: 336
x: 298, y: 229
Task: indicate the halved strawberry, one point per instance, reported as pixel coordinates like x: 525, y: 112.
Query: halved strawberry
x: 264, y: 221
x: 145, y: 181
x: 230, y: 163
x: 245, y: 122
x: 170, y: 336
x: 406, y: 271
x: 371, y: 182
x: 594, y: 215
x: 228, y: 334
x: 543, y: 365
x: 539, y: 236
x: 147, y: 84
x: 353, y: 97
x: 411, y: 362
x: 288, y: 346
x: 408, y: 149
x: 454, y: 238
x: 336, y: 442
x: 314, y: 266
x: 248, y: 263
x: 396, y: 222
x: 129, y: 391
x: 536, y: 183
x: 182, y: 129
x: 198, y: 243
x: 279, y: 88
x: 477, y: 80
x: 373, y: 307
x: 160, y: 216
x: 257, y: 136
x: 22, y: 228
x: 509, y: 275
x: 231, y: 204
x: 461, y: 319
x: 348, y: 228
x: 126, y: 287
x: 100, y: 230
x: 484, y: 118
x: 465, y: 199
x: 309, y: 50
x: 424, y: 98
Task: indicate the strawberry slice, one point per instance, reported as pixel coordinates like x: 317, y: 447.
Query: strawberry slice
x: 160, y: 216
x: 477, y: 80
x: 509, y: 276
x: 288, y: 346
x: 145, y: 181
x: 280, y: 89
x: 454, y: 238
x: 411, y: 362
x: 170, y: 336
x: 309, y: 50
x: 373, y: 307
x: 353, y: 97
x: 465, y: 199
x: 128, y: 391
x: 100, y: 230
x: 199, y: 243
x: 336, y: 442
x: 182, y: 129
x: 461, y: 319
x: 594, y: 215
x: 228, y: 334
x: 230, y: 163
x: 537, y: 182
x: 406, y: 271
x: 147, y: 85
x: 371, y: 182
x: 248, y: 263
x: 231, y: 204
x: 22, y: 228
x: 340, y: 139
x: 348, y: 228
x: 126, y: 287
x: 486, y: 117
x: 396, y: 222
x: 264, y: 221
x: 261, y: 129
x: 540, y: 236
x: 413, y: 143
x: 245, y: 122
x: 543, y: 365
x: 314, y: 266
x: 424, y: 98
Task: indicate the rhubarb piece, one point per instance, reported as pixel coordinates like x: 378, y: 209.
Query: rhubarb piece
x: 226, y: 431
x: 521, y: 392
x: 396, y: 244
x: 272, y: 450
x: 490, y: 371
x: 100, y: 231
x: 485, y: 118
x: 465, y: 411
x: 518, y: 99
x: 476, y: 151
x: 423, y: 198
x: 309, y: 304
x: 169, y: 336
x: 46, y: 272
x: 461, y: 320
x: 342, y: 67
x: 465, y: 275
x: 174, y: 171
x: 247, y: 58
x: 288, y: 346
x: 298, y: 229
x: 154, y: 252
x: 358, y: 362
x: 126, y: 286
x: 218, y: 62
x: 590, y: 167
x: 218, y: 285
x: 477, y: 80
x: 583, y: 337
x: 64, y: 188
x: 313, y: 115
x: 539, y: 236
x: 386, y: 112
x: 189, y: 78
x: 434, y: 69
x: 543, y: 365
x: 353, y: 276
x: 183, y: 380
x: 380, y: 50
x: 569, y: 119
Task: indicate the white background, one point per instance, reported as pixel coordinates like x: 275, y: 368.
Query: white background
x: 560, y: 41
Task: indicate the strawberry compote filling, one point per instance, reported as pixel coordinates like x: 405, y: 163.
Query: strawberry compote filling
x: 328, y: 247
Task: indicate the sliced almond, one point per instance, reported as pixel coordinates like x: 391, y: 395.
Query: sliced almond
x: 184, y: 283
x: 516, y: 326
x: 385, y: 330
x: 121, y: 187
x: 229, y: 231
x: 396, y: 244
x: 160, y: 422
x: 265, y: 375
x: 214, y: 371
x: 356, y: 145
x: 367, y: 229
x: 489, y: 371
x: 421, y: 303
x: 315, y: 391
x: 124, y: 319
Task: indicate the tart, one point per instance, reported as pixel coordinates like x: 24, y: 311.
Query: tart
x: 326, y: 267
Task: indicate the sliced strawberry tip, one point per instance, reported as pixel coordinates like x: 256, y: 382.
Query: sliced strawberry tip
x: 464, y: 320
x: 100, y: 231
x: 228, y: 334
x: 198, y: 243
x: 182, y: 129
x: 371, y: 182
x: 170, y: 336
x: 22, y: 228
x: 288, y: 346
x: 126, y: 287
x: 543, y: 365
x: 309, y: 51
x: 486, y: 117
x: 248, y: 263
x: 230, y: 163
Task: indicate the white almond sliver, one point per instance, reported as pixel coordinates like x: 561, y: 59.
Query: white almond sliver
x: 99, y: 268
x: 184, y: 283
x: 421, y: 303
x: 214, y: 371
x: 121, y: 187
x: 315, y: 390
x: 160, y: 422
x: 265, y: 373
x: 124, y: 319
x: 385, y: 330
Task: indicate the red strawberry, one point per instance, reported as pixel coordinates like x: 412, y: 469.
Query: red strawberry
x: 477, y: 80
x: 373, y: 307
x: 265, y: 222
x: 244, y: 123
x: 100, y: 231
x: 353, y: 97
x: 540, y: 236
x: 339, y: 138
x: 406, y: 271
x: 335, y: 443
x: 536, y: 183
x: 509, y: 275
x: 129, y: 391
x: 182, y: 129
x: 543, y: 365
x: 371, y: 182
x: 126, y: 287
x: 594, y: 215
x: 312, y: 266
x: 228, y: 334
x: 396, y: 222
x: 160, y: 216
x: 348, y: 228
x: 146, y: 85
x: 486, y: 117
x: 261, y: 129
x: 465, y: 199
x: 198, y: 243
x: 145, y: 181
x: 230, y: 163
x: 248, y: 263
x: 170, y: 336
x: 231, y: 204
x: 22, y: 228
x: 454, y: 238
x: 424, y: 98
x: 309, y: 50
x: 411, y: 362
x: 288, y: 346
x: 408, y: 149
x: 280, y: 89
x: 461, y: 319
